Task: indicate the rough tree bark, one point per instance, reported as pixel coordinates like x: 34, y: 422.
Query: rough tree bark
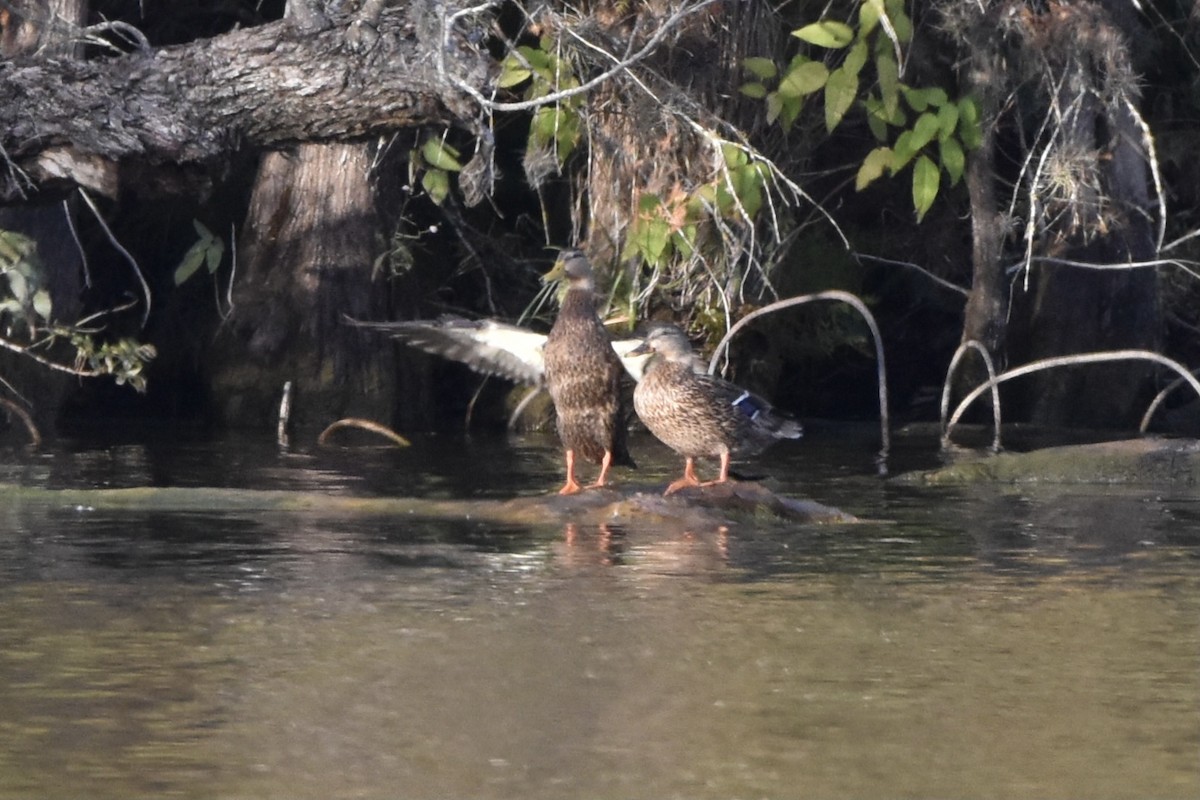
x: 194, y: 104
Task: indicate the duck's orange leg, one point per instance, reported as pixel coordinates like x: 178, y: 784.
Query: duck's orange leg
x: 605, y: 463
x: 571, y: 486
x: 689, y: 477
x: 724, y: 476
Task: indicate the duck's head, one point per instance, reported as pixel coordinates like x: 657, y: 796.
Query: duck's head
x: 573, y: 267
x: 666, y: 340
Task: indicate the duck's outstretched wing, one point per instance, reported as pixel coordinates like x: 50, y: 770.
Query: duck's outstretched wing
x: 487, y: 346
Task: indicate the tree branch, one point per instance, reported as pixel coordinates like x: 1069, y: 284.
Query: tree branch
x: 270, y: 86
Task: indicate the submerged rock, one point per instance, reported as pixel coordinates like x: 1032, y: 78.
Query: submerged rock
x: 723, y: 504
x: 1147, y: 460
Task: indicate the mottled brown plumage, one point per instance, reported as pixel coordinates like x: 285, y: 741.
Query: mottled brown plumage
x: 698, y: 415
x: 583, y: 376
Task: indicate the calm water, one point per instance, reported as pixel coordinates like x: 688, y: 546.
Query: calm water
x: 969, y: 643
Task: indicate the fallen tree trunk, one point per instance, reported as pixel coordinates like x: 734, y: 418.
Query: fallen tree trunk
x: 69, y: 121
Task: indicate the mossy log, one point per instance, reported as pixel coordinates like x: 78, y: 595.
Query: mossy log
x: 694, y: 507
x: 1133, y: 461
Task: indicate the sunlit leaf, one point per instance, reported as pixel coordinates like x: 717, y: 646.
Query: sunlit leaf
x: 856, y: 57
x: 41, y: 303
x: 512, y: 72
x: 755, y: 90
x: 840, y: 92
x: 537, y: 58
x: 953, y: 159
x: 826, y: 33
x: 925, y: 185
x: 872, y: 167
x: 900, y: 21
x: 790, y: 111
x: 763, y: 68
x: 970, y: 131
x: 924, y: 129
x: 889, y: 81
x: 684, y: 240
x: 902, y: 151
x: 947, y: 120
x: 734, y: 156
x: 190, y: 262
x: 436, y: 183
x: 648, y: 202
x: 868, y: 16
x: 440, y: 155
x: 804, y: 79
x: 213, y: 254
x: 875, y: 118
x: 774, y: 106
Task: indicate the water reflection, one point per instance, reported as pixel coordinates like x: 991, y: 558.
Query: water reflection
x: 965, y: 643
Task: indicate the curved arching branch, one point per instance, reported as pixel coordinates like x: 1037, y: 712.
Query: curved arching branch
x: 991, y: 369
x: 1063, y: 361
x: 840, y: 296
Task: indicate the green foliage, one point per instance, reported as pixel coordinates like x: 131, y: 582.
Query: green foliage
x: 28, y: 302
x: 208, y: 251
x: 19, y: 263
x: 124, y: 359
x: 665, y: 228
x: 556, y: 126
x: 433, y: 161
x: 919, y: 125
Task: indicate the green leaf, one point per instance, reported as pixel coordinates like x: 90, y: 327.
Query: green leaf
x: 41, y: 304
x: 202, y: 230
x: 903, y: 151
x: 19, y: 286
x: 649, y: 202
x: 970, y: 132
x: 856, y: 57
x: 840, y: 92
x: 791, y: 110
x: 774, y: 106
x: 872, y: 167
x: 900, y: 21
x: 512, y: 73
x: 953, y: 159
x: 876, y: 120
x: 762, y: 68
x: 440, y: 155
x: 436, y: 183
x: 734, y: 156
x: 538, y: 59
x: 925, y: 185
x: 889, y: 81
x: 191, y: 261
x: 947, y: 120
x: 655, y: 236
x: 755, y: 90
x: 826, y: 33
x: 868, y: 16
x: 213, y: 254
x: 567, y: 134
x: 924, y: 129
x: 749, y: 182
x: 684, y: 240
x: 804, y: 79
x: 921, y: 99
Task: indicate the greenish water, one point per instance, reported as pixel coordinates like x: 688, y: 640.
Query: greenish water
x: 973, y: 643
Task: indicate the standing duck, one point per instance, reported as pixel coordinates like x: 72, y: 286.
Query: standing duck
x: 698, y: 415
x: 583, y: 376
x: 577, y: 362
